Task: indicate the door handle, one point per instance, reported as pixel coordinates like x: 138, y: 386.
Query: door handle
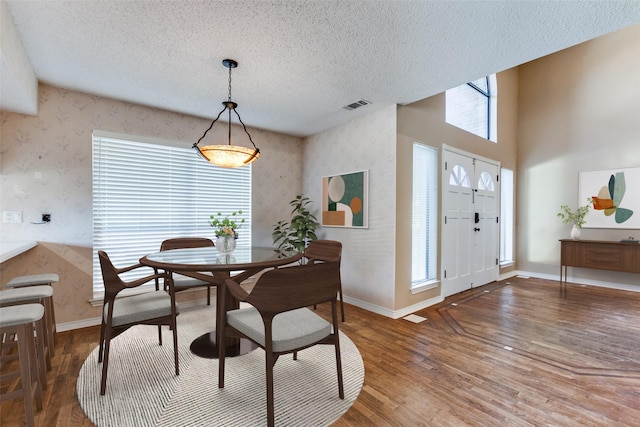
x: 476, y: 229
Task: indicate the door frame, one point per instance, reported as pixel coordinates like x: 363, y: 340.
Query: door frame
x: 443, y: 207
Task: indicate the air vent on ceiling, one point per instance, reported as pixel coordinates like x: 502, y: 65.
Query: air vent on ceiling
x: 359, y: 103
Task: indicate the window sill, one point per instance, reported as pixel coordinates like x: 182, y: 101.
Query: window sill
x: 425, y: 286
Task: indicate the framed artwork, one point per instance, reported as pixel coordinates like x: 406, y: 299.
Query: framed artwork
x: 616, y: 198
x: 345, y: 200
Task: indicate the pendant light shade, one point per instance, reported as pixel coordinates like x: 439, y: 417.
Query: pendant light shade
x: 228, y: 156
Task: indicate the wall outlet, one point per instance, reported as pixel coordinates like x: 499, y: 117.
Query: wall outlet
x: 12, y: 217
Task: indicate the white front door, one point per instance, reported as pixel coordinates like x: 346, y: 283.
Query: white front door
x: 470, y: 222
x: 486, y: 230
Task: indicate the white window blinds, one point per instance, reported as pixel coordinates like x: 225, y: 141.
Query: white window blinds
x: 144, y: 193
x: 506, y: 215
x: 424, y: 225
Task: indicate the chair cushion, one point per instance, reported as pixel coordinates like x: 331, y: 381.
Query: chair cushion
x: 180, y: 281
x: 29, y: 293
x: 35, y: 279
x: 141, y: 307
x: 20, y: 314
x: 292, y: 329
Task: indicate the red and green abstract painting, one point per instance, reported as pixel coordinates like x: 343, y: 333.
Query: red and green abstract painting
x: 344, y: 200
x: 615, y: 195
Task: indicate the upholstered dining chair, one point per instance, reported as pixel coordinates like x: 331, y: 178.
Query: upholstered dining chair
x: 149, y: 308
x: 326, y: 251
x: 278, y: 319
x: 182, y: 282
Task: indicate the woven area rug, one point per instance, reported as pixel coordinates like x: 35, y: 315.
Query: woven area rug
x: 143, y: 390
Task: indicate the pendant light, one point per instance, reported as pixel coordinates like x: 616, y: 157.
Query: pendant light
x: 228, y: 156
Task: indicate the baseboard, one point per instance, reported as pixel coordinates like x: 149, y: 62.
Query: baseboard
x: 394, y: 314
x: 577, y: 280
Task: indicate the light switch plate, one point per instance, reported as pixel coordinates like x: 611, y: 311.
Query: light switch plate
x: 12, y: 217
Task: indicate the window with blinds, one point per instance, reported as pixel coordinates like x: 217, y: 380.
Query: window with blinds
x: 144, y: 193
x: 424, y: 226
x: 507, y: 206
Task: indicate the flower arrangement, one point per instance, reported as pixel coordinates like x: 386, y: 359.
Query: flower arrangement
x: 225, y: 226
x: 575, y: 217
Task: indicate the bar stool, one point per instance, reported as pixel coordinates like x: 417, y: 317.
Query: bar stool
x: 42, y: 294
x: 37, y: 280
x: 19, y: 321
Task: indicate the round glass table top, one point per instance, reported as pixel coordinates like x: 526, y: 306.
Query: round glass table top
x: 209, y: 258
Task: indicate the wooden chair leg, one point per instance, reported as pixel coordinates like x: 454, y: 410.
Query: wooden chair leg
x: 160, y: 334
x: 270, y: 399
x: 101, y: 350
x: 105, y: 362
x: 339, y: 368
x: 341, y: 302
x: 221, y: 364
x: 208, y: 295
x: 175, y: 347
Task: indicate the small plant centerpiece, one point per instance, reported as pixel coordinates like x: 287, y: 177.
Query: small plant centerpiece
x: 299, y: 230
x: 226, y: 230
x: 576, y: 218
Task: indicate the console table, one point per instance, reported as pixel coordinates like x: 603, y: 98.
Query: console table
x: 598, y: 254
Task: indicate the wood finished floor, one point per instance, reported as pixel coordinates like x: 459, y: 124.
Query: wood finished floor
x: 511, y: 353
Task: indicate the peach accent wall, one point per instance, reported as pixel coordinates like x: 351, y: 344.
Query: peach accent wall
x: 46, y: 167
x: 424, y: 122
x: 579, y: 111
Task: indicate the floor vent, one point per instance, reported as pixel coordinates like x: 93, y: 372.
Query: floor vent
x: 359, y: 103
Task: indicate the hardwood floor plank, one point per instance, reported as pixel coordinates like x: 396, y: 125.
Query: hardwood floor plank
x: 574, y: 361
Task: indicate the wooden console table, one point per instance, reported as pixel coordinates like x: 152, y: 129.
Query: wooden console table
x: 599, y: 254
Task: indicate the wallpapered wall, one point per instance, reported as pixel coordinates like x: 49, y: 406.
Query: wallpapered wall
x: 46, y: 167
x: 367, y: 142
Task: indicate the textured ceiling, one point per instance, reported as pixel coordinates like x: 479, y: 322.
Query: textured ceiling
x: 300, y: 62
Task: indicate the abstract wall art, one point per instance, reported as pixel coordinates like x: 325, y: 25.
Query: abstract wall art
x: 616, y: 197
x: 345, y: 200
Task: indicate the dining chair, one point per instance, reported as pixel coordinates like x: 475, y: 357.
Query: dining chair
x: 326, y: 251
x: 149, y: 308
x: 180, y: 281
x: 278, y: 319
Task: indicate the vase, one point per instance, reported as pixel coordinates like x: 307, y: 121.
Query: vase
x: 225, y: 244
x: 575, y: 232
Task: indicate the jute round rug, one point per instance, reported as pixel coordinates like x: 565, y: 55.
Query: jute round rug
x: 143, y: 390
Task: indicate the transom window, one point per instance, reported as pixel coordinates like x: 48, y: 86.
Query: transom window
x: 473, y: 107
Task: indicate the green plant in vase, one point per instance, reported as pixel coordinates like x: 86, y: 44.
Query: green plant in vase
x: 226, y: 230
x: 576, y: 218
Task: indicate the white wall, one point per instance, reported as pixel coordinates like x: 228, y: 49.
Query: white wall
x: 367, y: 142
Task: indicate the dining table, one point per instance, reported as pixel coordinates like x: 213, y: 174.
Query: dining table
x: 211, y: 265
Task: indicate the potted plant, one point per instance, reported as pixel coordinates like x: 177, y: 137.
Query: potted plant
x: 299, y: 230
x: 226, y: 230
x: 576, y: 218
